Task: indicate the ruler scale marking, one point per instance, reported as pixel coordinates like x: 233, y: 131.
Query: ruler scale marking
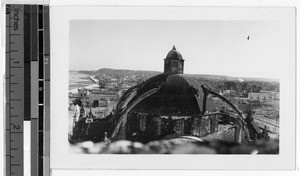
x: 8, y: 92
x: 34, y: 90
x: 15, y: 51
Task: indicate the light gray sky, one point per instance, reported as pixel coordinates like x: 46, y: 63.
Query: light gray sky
x: 208, y: 47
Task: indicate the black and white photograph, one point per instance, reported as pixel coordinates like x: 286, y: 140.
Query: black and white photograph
x: 173, y: 87
x: 150, y: 87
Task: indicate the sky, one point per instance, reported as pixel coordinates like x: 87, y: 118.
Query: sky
x: 208, y: 47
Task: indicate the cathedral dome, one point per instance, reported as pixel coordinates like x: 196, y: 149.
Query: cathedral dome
x: 166, y: 104
x: 168, y: 94
x: 174, y: 55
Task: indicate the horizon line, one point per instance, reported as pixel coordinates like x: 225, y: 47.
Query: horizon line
x: 273, y: 79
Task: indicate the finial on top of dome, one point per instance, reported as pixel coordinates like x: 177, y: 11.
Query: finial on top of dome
x: 174, y: 48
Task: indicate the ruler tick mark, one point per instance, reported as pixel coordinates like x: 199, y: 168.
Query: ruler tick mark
x: 15, y: 34
x: 16, y: 132
x: 15, y: 99
x: 15, y: 164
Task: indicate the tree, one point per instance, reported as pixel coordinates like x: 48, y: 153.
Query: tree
x: 230, y: 85
x: 102, y: 84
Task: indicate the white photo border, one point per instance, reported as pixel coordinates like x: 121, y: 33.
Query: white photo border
x: 61, y: 158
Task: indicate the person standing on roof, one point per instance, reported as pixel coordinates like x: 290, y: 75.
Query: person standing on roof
x: 91, y: 115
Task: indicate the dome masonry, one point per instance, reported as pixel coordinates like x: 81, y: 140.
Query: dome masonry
x: 163, y: 105
x: 174, y: 62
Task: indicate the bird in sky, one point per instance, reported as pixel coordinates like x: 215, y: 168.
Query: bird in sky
x: 248, y: 37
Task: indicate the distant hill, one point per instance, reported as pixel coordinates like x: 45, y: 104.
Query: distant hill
x: 110, y: 71
x: 231, y: 78
x: 262, y: 79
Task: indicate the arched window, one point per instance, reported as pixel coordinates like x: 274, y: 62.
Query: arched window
x: 179, y: 126
x: 143, y: 123
x: 174, y: 66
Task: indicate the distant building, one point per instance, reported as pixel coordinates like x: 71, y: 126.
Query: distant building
x: 262, y: 96
x: 83, y: 95
x: 111, y: 84
x: 101, y: 98
x: 228, y: 92
x: 126, y: 86
x: 275, y: 95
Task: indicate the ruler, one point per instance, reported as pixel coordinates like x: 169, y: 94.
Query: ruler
x: 27, y: 87
x: 14, y: 89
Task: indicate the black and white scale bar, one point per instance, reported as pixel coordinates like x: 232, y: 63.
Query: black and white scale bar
x: 41, y: 90
x: 27, y: 62
x: 46, y: 91
x: 34, y: 89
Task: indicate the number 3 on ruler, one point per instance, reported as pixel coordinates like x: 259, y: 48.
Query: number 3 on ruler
x: 16, y: 126
x: 46, y: 60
